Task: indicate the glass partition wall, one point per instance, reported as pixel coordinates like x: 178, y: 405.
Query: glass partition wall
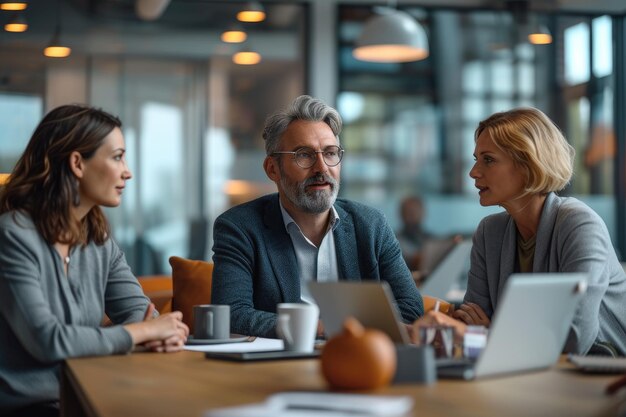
x: 410, y: 127
x: 191, y: 117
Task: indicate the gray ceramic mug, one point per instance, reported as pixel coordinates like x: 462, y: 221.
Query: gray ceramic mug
x: 211, y: 321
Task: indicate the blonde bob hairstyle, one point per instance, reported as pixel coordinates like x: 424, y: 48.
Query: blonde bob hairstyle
x: 536, y: 144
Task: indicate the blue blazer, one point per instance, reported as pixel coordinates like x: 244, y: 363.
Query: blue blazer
x: 256, y: 266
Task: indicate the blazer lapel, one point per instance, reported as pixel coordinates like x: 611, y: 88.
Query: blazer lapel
x: 345, y: 245
x: 544, y: 232
x: 507, y: 260
x: 280, y: 252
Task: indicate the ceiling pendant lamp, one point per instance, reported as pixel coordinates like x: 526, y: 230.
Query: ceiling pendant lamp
x: 247, y: 58
x: 391, y: 36
x: 150, y: 9
x: 17, y: 24
x: 13, y: 5
x: 252, y: 12
x: 535, y: 34
x: 539, y: 35
x: 55, y: 48
x: 234, y: 34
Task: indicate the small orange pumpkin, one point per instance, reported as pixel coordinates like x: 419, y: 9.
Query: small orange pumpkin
x: 358, y: 358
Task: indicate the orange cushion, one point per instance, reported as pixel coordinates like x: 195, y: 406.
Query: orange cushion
x: 429, y: 304
x: 192, y: 286
x: 159, y: 289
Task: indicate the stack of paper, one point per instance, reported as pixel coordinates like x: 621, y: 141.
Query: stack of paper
x: 316, y: 404
x: 256, y: 344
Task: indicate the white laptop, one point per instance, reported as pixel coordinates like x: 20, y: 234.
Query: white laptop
x: 371, y: 303
x: 448, y: 271
x: 530, y: 327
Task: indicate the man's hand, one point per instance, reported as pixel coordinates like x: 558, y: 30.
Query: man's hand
x: 471, y: 314
x: 436, y: 318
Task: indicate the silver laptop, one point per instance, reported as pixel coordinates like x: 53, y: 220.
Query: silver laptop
x: 441, y: 279
x: 530, y: 326
x: 371, y: 303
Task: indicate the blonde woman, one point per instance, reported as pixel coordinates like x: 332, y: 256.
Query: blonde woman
x: 522, y: 160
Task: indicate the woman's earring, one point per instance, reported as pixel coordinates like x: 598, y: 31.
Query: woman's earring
x: 76, y: 195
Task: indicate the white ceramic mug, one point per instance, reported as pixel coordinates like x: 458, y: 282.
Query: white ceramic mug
x: 297, y: 325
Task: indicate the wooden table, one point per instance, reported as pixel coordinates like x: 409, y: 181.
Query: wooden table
x: 186, y: 384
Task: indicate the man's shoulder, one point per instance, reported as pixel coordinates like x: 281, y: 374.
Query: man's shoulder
x: 252, y: 209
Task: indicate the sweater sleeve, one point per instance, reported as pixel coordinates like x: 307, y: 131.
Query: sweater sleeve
x: 24, y: 290
x: 125, y: 301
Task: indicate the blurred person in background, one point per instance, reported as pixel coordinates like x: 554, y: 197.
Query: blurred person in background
x: 411, y: 234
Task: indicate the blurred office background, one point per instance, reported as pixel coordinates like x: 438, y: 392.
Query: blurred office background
x: 193, y: 117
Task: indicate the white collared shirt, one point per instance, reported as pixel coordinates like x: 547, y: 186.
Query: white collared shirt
x: 314, y: 263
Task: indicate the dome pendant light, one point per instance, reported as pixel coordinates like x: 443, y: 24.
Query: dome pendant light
x: 536, y: 34
x: 17, y: 24
x: 247, y: 57
x: 150, y: 9
x: 13, y: 5
x: 394, y: 36
x: 539, y: 35
x: 234, y: 34
x: 55, y: 48
x: 252, y: 12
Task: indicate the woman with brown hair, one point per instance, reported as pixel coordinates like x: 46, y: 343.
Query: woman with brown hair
x: 60, y: 271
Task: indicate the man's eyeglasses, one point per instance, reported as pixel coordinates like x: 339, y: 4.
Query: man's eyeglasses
x: 306, y: 157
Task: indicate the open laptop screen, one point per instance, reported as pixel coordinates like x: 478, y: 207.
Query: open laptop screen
x: 530, y: 325
x: 371, y: 303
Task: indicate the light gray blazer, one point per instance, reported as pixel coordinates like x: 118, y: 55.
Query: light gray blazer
x: 571, y: 238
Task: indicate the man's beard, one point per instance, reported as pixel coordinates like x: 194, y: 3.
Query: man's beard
x: 313, y: 202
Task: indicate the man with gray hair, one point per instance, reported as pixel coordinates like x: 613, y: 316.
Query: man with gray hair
x: 266, y: 250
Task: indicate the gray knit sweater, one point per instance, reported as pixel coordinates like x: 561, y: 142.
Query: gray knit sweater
x: 46, y: 316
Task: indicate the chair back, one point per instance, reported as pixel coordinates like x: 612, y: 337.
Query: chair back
x: 430, y: 302
x: 159, y: 289
x: 192, y: 285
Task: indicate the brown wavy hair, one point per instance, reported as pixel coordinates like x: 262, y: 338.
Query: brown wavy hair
x: 42, y: 183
